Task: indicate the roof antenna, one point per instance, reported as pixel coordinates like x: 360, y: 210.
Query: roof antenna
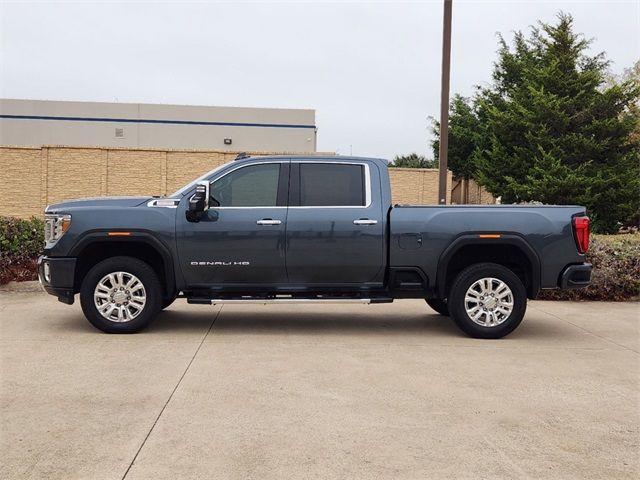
x: 241, y: 156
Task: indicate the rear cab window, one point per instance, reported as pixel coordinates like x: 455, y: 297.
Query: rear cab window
x: 328, y: 185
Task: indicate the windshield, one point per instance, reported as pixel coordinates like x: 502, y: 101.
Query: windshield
x: 183, y: 190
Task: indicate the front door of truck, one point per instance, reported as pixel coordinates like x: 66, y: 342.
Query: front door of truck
x: 335, y: 227
x: 239, y: 242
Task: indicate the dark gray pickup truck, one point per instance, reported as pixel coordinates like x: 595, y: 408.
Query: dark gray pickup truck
x: 307, y: 229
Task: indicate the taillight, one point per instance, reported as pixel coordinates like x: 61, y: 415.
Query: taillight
x: 581, y: 232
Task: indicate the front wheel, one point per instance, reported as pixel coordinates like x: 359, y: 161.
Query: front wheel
x: 121, y: 295
x: 487, y: 300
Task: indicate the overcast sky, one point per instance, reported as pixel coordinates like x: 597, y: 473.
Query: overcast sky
x: 371, y: 70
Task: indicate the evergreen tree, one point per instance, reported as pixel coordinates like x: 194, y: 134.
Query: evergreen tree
x: 464, y: 135
x: 550, y: 129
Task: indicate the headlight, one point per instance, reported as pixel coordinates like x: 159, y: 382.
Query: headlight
x: 55, y: 226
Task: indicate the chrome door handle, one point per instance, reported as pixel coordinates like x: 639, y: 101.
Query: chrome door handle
x: 364, y: 221
x: 268, y: 221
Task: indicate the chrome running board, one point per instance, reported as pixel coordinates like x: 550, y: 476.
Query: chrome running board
x: 266, y: 301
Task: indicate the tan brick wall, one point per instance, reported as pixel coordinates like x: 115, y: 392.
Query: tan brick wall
x: 32, y: 177
x: 474, y: 195
x: 72, y: 173
x: 21, y: 181
x: 416, y: 185
x: 479, y: 196
x: 136, y: 172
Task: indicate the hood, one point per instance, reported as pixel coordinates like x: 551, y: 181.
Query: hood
x: 97, y: 202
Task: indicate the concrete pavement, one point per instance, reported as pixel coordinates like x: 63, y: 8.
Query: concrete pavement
x: 350, y: 391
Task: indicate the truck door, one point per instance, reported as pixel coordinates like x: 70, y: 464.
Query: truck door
x: 334, y: 225
x: 241, y: 241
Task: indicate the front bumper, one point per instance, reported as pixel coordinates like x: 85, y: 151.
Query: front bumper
x: 575, y: 276
x: 56, y: 275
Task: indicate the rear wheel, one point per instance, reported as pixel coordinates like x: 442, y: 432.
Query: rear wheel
x: 121, y: 295
x: 438, y: 305
x: 487, y: 300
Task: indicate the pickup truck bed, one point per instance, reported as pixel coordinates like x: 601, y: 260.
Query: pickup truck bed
x: 420, y: 234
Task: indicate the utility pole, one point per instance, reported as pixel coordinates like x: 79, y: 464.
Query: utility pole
x: 444, y: 102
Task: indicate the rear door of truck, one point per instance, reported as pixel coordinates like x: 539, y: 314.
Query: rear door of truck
x: 335, y: 225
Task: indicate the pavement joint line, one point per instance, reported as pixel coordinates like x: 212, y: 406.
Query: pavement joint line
x: 172, y: 393
x: 589, y: 332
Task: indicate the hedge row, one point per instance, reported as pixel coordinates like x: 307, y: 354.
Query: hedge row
x: 616, y: 270
x: 21, y: 243
x: 616, y: 261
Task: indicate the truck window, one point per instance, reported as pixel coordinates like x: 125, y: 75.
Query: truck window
x: 331, y: 184
x: 252, y: 186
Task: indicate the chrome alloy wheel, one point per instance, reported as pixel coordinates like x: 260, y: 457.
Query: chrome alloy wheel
x: 120, y: 297
x: 488, y: 302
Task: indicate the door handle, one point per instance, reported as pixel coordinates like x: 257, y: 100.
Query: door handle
x: 364, y: 221
x: 268, y: 221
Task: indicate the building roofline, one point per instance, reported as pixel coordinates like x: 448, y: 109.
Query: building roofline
x: 150, y: 104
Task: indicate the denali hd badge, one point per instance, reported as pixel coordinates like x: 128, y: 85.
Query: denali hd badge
x: 220, y: 264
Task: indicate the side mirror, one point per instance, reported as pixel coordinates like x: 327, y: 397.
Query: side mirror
x: 199, y: 201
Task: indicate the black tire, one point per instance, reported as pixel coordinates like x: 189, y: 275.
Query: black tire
x: 145, y: 274
x: 438, y: 305
x: 467, y: 278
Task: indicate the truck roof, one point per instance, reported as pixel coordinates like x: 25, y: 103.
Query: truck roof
x: 331, y: 158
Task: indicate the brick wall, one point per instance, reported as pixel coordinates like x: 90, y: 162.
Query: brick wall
x: 416, y: 185
x: 33, y: 177
x: 469, y: 192
x: 22, y: 171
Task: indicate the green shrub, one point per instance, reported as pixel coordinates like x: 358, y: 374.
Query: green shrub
x: 21, y: 242
x: 616, y: 270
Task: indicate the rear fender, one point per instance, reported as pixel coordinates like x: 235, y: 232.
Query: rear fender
x: 475, y: 239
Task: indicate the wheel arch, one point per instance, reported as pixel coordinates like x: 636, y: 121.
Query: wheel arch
x: 509, y: 250
x: 99, y: 245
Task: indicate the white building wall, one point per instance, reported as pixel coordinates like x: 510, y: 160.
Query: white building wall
x: 156, y: 126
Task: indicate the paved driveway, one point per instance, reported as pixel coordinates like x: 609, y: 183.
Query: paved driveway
x: 273, y: 392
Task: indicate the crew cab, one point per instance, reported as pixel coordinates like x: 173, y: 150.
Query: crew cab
x: 291, y: 229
